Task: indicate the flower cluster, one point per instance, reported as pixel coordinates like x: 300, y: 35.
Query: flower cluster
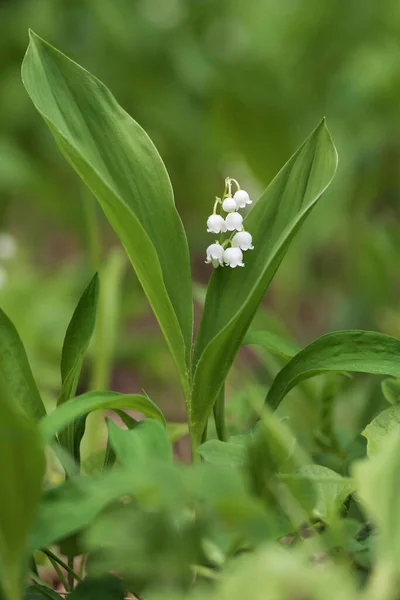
x: 229, y: 252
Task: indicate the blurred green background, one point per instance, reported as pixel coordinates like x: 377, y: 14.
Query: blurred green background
x: 223, y: 87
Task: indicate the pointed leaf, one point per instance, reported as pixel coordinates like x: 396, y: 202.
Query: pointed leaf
x: 234, y: 294
x: 15, y: 373
x: 391, y: 390
x: 353, y: 350
x: 22, y: 467
x: 82, y: 405
x: 77, y: 338
x: 223, y: 453
x: 119, y: 163
x: 76, y: 342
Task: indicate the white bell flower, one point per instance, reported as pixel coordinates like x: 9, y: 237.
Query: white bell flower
x: 234, y: 221
x: 215, y: 254
x: 229, y: 205
x: 216, y: 224
x: 241, y: 198
x: 233, y: 257
x: 242, y: 240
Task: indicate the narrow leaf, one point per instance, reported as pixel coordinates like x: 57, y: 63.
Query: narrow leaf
x: 76, y: 342
x: 15, y: 373
x: 118, y: 162
x: 234, y: 294
x: 77, y: 338
x: 353, y: 350
x: 82, y: 405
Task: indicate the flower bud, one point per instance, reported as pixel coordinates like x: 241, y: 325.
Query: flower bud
x: 242, y: 240
x: 215, y: 253
x: 229, y: 205
x: 234, y: 221
x: 216, y: 224
x: 241, y: 198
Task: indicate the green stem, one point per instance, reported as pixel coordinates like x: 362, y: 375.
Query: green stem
x: 62, y: 564
x: 60, y: 574
x: 71, y: 573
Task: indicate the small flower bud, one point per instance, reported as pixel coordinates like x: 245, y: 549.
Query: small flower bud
x: 216, y: 224
x: 215, y: 254
x: 229, y: 205
x: 234, y: 221
x: 242, y: 240
x: 241, y: 198
x: 233, y: 257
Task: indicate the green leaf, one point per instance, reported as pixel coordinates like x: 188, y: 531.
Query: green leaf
x: 223, y: 453
x: 108, y: 587
x: 15, y: 373
x: 76, y: 342
x: 118, y: 162
x: 353, y: 350
x: 148, y: 440
x: 22, y: 467
x: 384, y: 424
x: 391, y: 390
x: 273, y: 342
x: 77, y: 338
x: 234, y: 294
x: 82, y: 405
x: 331, y: 490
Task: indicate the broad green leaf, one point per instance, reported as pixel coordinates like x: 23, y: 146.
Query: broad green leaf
x: 223, y: 453
x: 331, y: 490
x: 77, y: 338
x: 391, y: 390
x: 385, y: 424
x: 118, y: 162
x: 234, y: 294
x: 76, y: 342
x: 108, y: 587
x: 22, y: 467
x: 82, y: 405
x: 148, y: 440
x: 273, y: 342
x: 353, y: 350
x: 378, y: 487
x: 15, y: 373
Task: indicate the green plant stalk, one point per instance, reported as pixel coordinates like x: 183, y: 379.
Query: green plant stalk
x: 60, y: 574
x: 62, y: 564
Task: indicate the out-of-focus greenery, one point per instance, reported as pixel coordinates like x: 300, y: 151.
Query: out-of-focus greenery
x: 223, y: 88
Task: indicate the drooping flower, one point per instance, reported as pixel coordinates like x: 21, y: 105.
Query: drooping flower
x: 233, y: 257
x: 215, y: 254
x: 241, y: 198
x: 242, y: 240
x: 229, y: 205
x: 234, y: 221
x: 216, y: 224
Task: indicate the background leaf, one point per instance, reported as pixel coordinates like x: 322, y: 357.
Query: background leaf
x: 385, y: 424
x: 273, y: 342
x: 223, y: 453
x: 117, y: 160
x: 354, y: 350
x: 108, y: 587
x: 15, y: 373
x: 82, y: 405
x: 234, y: 295
x: 148, y: 440
x: 22, y: 467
